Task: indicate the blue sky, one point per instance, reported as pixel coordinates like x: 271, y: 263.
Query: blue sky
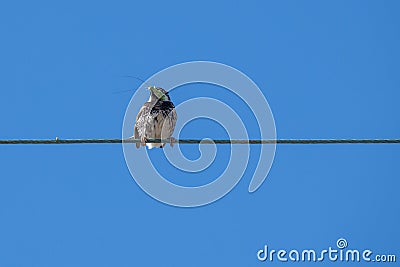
x: 329, y: 69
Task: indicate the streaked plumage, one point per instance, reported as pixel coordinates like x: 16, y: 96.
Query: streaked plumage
x: 156, y: 119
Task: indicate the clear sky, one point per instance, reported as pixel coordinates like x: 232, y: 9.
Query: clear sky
x: 329, y: 69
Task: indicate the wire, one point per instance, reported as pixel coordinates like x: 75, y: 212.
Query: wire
x: 197, y: 141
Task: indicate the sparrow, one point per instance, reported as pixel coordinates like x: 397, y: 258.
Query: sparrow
x: 156, y: 119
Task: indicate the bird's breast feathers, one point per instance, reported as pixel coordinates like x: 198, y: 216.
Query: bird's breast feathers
x: 152, y: 117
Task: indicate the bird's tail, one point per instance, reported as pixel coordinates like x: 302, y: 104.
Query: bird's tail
x: 152, y: 145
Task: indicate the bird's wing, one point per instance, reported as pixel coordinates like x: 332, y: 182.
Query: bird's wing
x: 139, y: 129
x: 136, y: 136
x: 169, y: 124
x: 174, y: 117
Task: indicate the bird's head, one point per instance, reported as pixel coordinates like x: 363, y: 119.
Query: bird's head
x: 157, y: 93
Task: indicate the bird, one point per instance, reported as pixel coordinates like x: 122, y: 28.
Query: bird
x: 156, y: 119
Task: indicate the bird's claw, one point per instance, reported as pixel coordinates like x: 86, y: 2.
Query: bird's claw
x: 143, y: 140
x: 172, y: 141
